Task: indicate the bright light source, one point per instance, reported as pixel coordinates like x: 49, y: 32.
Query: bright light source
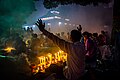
x: 59, y: 23
x: 33, y: 26
x: 55, y: 12
x: 25, y: 27
x: 47, y: 18
x: 67, y: 19
x: 56, y: 17
x: 49, y: 24
x: 46, y: 60
x: 9, y: 49
x: 65, y: 23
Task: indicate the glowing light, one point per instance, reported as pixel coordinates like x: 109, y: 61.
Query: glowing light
x: 65, y: 23
x: 33, y: 26
x: 56, y: 17
x: 55, y: 12
x: 49, y: 24
x: 25, y: 27
x: 67, y: 19
x: 59, y: 23
x: 47, y: 18
x: 47, y: 60
x: 9, y: 49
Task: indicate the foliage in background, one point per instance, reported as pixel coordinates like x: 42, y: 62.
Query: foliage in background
x: 54, y: 3
x: 13, y: 13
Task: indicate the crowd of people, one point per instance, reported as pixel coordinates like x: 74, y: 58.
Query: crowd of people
x: 84, y: 50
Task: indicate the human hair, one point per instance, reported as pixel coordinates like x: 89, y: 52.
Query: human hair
x: 75, y: 35
x: 103, y: 32
x: 86, y: 33
x: 95, y: 34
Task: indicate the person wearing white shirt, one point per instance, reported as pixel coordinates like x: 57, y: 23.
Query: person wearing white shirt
x: 75, y: 52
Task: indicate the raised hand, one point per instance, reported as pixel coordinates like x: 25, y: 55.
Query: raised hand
x: 40, y: 25
x: 79, y: 28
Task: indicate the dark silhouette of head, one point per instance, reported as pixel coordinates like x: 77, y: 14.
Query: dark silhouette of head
x: 86, y: 34
x: 95, y: 34
x: 34, y: 35
x: 75, y: 35
x: 102, y: 32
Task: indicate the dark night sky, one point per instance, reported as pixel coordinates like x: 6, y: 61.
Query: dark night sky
x: 92, y: 19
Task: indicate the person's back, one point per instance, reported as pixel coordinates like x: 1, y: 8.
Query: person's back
x: 75, y: 52
x: 75, y: 61
x: 35, y: 43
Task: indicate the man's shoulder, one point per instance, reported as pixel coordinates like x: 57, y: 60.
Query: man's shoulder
x: 79, y: 44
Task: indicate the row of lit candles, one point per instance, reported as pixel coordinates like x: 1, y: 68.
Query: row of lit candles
x: 46, y: 61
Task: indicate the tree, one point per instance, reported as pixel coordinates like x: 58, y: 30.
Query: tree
x: 54, y: 3
x: 115, y: 36
x: 13, y: 13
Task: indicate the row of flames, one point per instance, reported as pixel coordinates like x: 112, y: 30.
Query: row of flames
x: 46, y: 61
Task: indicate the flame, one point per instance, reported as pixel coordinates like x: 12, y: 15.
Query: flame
x: 46, y: 61
x: 9, y: 49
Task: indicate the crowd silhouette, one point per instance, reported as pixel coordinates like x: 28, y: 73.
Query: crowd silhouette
x: 90, y: 56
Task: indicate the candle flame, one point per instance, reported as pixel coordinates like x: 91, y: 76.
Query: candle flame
x: 9, y: 49
x: 46, y: 61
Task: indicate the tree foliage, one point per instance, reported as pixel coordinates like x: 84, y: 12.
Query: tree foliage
x: 14, y: 12
x: 54, y: 3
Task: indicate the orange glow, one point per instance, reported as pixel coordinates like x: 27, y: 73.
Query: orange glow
x: 46, y: 61
x: 9, y: 49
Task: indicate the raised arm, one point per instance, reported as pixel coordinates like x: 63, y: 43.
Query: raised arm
x: 64, y: 45
x: 79, y: 28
